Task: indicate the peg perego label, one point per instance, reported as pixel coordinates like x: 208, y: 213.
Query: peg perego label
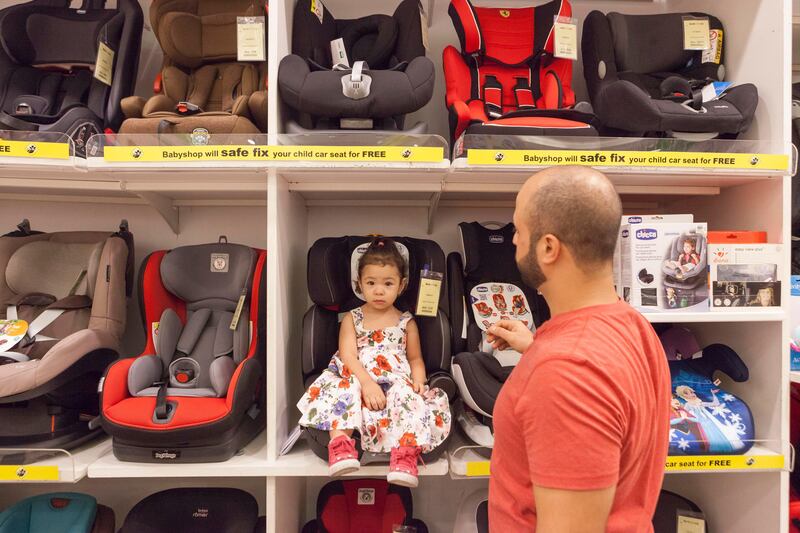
x: 646, y: 234
x: 166, y: 455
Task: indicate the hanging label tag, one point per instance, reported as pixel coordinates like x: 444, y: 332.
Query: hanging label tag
x: 430, y: 288
x: 238, y: 312
x: 11, y: 332
x: 423, y: 22
x: 338, y: 53
x: 696, y: 33
x: 104, y: 64
x: 714, y: 52
x: 690, y: 524
x: 154, y: 331
x: 250, y: 39
x: 318, y: 9
x: 565, y: 37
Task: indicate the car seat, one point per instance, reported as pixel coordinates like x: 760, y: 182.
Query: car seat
x: 390, y: 75
x: 665, y: 518
x: 194, y: 510
x: 505, y: 79
x: 684, y: 289
x: 196, y: 394
x: 485, y: 287
x: 705, y: 419
x: 47, y: 58
x: 332, y: 286
x: 473, y: 513
x: 202, y: 86
x: 70, y: 289
x: 642, y: 82
x: 358, y: 505
x: 57, y: 512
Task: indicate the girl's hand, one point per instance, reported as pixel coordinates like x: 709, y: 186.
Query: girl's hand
x: 419, y: 387
x: 373, y: 396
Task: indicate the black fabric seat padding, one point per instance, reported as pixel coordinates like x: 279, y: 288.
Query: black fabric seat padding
x: 371, y: 39
x: 483, y: 377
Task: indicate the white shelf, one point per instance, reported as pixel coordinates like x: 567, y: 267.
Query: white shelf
x: 251, y: 462
x: 794, y: 376
x: 301, y: 461
x: 750, y: 315
x: 72, y: 466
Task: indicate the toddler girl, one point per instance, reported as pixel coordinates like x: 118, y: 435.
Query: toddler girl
x: 375, y: 383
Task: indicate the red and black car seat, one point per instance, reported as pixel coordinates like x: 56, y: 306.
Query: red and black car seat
x: 505, y: 79
x: 358, y: 505
x: 332, y: 286
x: 196, y: 394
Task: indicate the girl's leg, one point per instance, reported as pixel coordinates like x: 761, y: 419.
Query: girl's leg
x: 339, y: 432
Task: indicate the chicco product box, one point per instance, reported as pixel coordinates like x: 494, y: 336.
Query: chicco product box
x: 794, y: 316
x: 745, y: 275
x: 666, y: 268
x: 621, y: 263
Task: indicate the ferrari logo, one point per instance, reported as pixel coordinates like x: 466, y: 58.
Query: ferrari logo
x: 505, y: 13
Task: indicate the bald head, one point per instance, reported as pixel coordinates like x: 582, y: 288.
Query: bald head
x: 576, y: 204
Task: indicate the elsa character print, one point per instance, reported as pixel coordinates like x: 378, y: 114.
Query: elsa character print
x: 722, y: 438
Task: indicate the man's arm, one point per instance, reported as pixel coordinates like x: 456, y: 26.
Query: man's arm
x: 572, y: 511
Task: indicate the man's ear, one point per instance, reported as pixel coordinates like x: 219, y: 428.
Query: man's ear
x: 549, y: 249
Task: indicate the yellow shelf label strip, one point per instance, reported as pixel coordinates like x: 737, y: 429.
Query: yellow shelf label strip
x: 633, y: 159
x: 29, y: 473
x: 253, y: 153
x: 724, y: 462
x: 34, y: 149
x: 478, y: 468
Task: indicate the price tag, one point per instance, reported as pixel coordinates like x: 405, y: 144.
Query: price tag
x: 250, y: 39
x: 318, y: 9
x: 696, y: 34
x: 423, y: 21
x: 430, y: 288
x: 690, y: 524
x: 565, y: 38
x: 714, y: 53
x: 104, y: 64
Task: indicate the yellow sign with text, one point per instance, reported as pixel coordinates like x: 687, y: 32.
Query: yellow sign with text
x: 34, y: 150
x: 724, y: 462
x: 478, y: 469
x: 710, y: 160
x: 252, y: 153
x: 28, y: 473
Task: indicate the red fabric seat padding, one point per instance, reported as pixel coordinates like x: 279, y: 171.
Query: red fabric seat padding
x: 138, y: 412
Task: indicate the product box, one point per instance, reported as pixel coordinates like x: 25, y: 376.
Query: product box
x: 622, y: 274
x: 746, y: 275
x: 794, y: 320
x: 666, y: 266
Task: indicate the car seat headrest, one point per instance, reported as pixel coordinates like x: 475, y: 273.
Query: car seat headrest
x: 371, y: 39
x: 55, y: 268
x: 199, y: 31
x: 32, y: 34
x: 653, y: 43
x: 333, y: 266
x: 209, y: 275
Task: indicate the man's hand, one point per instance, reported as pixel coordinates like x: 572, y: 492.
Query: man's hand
x: 373, y: 396
x: 510, y: 334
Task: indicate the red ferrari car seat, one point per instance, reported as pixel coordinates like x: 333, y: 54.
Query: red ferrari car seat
x: 196, y: 394
x: 505, y: 80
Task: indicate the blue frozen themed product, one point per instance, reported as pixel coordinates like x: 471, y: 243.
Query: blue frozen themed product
x: 705, y: 419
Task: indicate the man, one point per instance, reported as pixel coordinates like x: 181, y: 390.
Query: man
x: 581, y: 425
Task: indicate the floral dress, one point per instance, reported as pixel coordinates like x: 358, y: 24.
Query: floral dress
x: 409, y: 419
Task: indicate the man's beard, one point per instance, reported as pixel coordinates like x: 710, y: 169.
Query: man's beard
x: 529, y: 268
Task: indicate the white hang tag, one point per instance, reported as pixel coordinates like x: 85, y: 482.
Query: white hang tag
x: 690, y: 524
x: 430, y: 288
x: 104, y: 64
x: 696, y: 33
x: 565, y: 38
x: 250, y: 39
x: 338, y: 53
x: 11, y: 332
x: 238, y: 313
x: 423, y: 21
x: 714, y: 52
x: 318, y: 9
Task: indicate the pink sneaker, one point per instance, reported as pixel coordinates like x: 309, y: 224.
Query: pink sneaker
x: 342, y: 456
x: 403, y: 466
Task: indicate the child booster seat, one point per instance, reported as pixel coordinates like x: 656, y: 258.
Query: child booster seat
x: 670, y: 505
x: 641, y: 81
x: 473, y: 513
x: 384, y: 76
x: 682, y: 288
x: 201, y: 85
x: 194, y: 510
x: 485, y: 287
x: 359, y: 505
x: 47, y: 57
x: 196, y: 394
x: 332, y: 278
x: 62, y: 301
x: 705, y: 420
x: 505, y: 80
x: 58, y: 512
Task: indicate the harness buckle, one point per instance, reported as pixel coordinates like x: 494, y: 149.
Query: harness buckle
x: 187, y: 109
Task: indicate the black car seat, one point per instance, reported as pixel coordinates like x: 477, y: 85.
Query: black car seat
x: 641, y: 81
x: 390, y: 75
x: 47, y: 58
x: 195, y: 510
x: 201, y: 85
x: 197, y: 390
x: 332, y: 272
x: 70, y: 288
x: 485, y: 286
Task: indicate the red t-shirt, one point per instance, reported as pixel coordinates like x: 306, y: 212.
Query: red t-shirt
x: 587, y: 407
